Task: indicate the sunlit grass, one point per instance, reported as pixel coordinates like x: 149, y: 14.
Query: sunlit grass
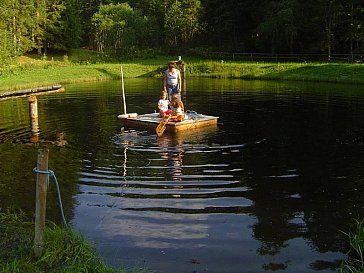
x: 84, y: 65
x: 323, y: 72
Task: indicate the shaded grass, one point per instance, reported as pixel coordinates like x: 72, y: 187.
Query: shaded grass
x: 65, y: 251
x: 355, y: 263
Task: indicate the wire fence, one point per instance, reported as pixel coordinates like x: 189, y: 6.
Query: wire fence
x: 351, y: 58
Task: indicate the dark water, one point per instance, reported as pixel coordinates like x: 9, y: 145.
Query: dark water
x: 272, y: 188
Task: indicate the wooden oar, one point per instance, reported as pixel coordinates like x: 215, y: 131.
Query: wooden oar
x: 162, y: 126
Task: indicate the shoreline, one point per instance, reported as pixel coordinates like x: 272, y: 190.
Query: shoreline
x: 31, y: 73
x: 65, y: 250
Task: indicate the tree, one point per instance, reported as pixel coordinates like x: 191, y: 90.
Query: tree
x: 154, y: 10
x: 87, y: 8
x: 279, y: 27
x: 173, y: 24
x: 5, y: 46
x: 69, y: 34
x: 47, y: 15
x: 181, y: 22
x: 119, y: 28
x: 351, y: 25
x: 15, y: 25
x: 229, y: 23
x: 190, y: 25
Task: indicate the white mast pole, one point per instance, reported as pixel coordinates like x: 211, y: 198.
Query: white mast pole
x: 122, y: 87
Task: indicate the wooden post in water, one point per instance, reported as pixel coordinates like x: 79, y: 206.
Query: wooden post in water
x: 182, y: 69
x: 33, y: 117
x: 41, y: 198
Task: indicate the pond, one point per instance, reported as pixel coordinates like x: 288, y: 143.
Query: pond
x: 273, y: 187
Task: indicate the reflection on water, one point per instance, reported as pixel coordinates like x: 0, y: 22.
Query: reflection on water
x: 172, y: 153
x: 271, y: 188
x: 162, y: 209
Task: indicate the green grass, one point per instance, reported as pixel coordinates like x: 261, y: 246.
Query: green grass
x: 322, y: 72
x: 83, y: 65
x: 65, y: 250
x: 355, y: 263
x: 33, y: 73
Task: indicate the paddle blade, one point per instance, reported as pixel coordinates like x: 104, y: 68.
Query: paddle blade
x: 161, y: 127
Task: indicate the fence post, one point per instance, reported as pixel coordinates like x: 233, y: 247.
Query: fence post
x: 41, y: 198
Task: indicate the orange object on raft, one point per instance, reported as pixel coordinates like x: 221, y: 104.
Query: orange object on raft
x: 151, y: 121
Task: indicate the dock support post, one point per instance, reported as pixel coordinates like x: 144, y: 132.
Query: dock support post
x: 41, y: 199
x: 33, y: 117
x: 182, y: 69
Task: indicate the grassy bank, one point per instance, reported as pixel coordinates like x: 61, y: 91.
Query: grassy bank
x: 65, y: 251
x: 355, y: 263
x: 28, y: 72
x: 320, y: 72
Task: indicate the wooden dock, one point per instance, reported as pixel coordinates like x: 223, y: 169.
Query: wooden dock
x: 151, y: 121
x: 32, y: 91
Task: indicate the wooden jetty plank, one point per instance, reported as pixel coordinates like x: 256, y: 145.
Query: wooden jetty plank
x: 26, y: 92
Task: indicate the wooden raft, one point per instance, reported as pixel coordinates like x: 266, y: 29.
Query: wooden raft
x: 151, y: 121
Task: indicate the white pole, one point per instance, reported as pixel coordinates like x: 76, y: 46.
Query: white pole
x: 122, y: 87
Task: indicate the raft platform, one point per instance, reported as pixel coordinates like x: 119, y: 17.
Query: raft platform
x: 150, y: 121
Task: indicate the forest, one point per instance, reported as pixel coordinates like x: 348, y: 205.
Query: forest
x: 146, y: 27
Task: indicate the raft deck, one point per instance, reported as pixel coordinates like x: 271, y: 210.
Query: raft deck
x: 151, y: 121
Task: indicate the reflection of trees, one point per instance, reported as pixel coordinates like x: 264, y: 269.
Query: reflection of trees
x: 303, y: 175
x: 284, y: 215
x: 315, y: 206
x: 17, y: 187
x: 274, y: 210
x: 275, y: 266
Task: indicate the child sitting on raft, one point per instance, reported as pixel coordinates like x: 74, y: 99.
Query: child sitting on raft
x: 163, y: 105
x: 177, y: 109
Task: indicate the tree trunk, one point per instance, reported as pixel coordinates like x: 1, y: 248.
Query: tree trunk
x: 351, y: 32
x: 329, y: 29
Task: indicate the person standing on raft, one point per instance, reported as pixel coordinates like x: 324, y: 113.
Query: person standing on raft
x: 172, y: 81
